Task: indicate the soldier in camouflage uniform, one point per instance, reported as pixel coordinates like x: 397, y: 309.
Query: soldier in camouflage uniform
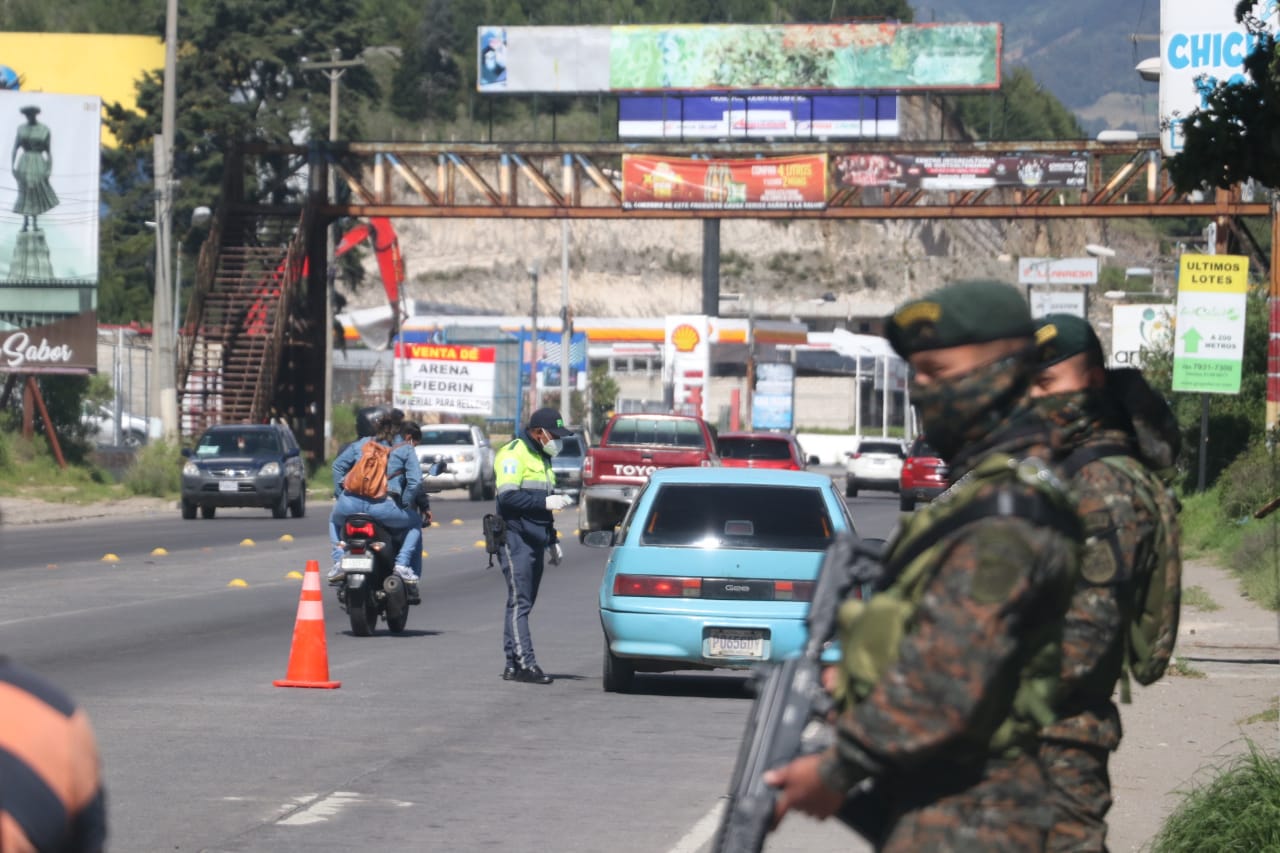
x: 1120, y: 526
x: 951, y: 670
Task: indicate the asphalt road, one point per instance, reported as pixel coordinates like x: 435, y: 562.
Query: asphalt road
x: 423, y: 747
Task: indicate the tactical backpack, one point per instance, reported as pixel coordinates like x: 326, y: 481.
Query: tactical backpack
x: 368, y: 476
x: 1152, y: 594
x: 872, y: 631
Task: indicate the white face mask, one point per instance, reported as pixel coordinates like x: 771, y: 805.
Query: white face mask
x: 553, y: 447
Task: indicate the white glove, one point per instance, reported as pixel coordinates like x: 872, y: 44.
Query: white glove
x: 555, y: 553
x: 555, y: 502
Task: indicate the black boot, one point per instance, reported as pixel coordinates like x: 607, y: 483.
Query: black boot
x: 533, y: 675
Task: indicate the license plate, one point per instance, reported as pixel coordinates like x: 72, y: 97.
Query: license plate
x: 228, y: 486
x: 728, y: 643
x: 358, y: 564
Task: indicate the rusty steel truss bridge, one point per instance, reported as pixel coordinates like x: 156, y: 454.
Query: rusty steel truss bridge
x: 254, y: 339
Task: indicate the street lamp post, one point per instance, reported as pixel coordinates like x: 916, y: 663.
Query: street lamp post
x: 333, y: 70
x: 162, y: 331
x: 533, y: 339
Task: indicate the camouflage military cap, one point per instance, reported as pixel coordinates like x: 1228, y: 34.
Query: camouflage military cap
x: 965, y: 312
x: 1063, y: 336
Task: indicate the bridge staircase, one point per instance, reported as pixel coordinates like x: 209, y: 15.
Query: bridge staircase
x: 236, y: 333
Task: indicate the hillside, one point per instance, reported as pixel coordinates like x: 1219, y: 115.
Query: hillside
x: 1082, y: 52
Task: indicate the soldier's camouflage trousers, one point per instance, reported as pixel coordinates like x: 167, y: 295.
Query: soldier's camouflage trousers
x: 1001, y: 811
x: 1080, y: 794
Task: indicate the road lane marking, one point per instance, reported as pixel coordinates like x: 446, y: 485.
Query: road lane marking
x: 150, y: 602
x: 702, y: 832
x: 321, y: 810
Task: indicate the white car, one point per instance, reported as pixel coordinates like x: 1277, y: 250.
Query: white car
x: 875, y: 464
x: 469, y: 455
x: 135, y: 431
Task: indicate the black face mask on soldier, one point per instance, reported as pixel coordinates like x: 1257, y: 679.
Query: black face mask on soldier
x: 957, y: 412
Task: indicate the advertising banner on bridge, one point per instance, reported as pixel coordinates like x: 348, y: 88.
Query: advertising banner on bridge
x: 780, y: 116
x: 678, y: 183
x: 961, y: 172
x: 1201, y: 45
x: 444, y: 378
x: 739, y: 57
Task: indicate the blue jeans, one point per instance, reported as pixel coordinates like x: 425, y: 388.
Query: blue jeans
x: 387, y: 513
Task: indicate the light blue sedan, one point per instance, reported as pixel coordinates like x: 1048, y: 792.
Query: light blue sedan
x: 714, y: 568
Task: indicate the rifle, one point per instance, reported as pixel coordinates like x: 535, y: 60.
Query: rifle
x: 789, y: 696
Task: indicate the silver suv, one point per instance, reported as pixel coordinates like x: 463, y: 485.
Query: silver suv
x: 469, y: 455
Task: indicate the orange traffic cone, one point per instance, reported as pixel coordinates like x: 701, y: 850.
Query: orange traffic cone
x: 309, y: 656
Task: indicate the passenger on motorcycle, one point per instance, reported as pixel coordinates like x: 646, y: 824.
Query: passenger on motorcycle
x: 412, y: 433
x: 398, y: 510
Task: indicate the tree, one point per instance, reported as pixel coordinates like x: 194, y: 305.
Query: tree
x: 1022, y: 109
x: 428, y: 79
x: 1235, y: 135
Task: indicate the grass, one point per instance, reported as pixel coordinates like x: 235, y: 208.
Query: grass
x: 1180, y: 667
x: 1239, y: 809
x: 28, y: 469
x: 1199, y: 598
x: 1249, y: 548
x: 1271, y: 715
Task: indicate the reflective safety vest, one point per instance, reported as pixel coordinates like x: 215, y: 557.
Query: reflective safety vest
x: 524, y: 480
x: 872, y: 631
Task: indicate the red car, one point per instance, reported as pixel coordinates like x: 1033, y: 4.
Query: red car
x: 924, y: 476
x: 760, y: 450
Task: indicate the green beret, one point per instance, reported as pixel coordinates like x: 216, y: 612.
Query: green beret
x: 966, y: 312
x: 1062, y: 336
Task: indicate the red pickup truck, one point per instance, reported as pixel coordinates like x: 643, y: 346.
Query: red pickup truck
x: 632, y: 447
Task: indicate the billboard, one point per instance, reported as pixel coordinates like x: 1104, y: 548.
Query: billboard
x: 757, y: 116
x: 678, y: 183
x: 1201, y: 45
x: 49, y: 201
x: 1044, y: 302
x: 107, y: 66
x: 961, y: 172
x: 445, y: 378
x: 739, y: 57
x: 1057, y: 271
x: 1135, y: 328
x: 773, y: 399
x: 1208, y: 350
x: 65, y: 346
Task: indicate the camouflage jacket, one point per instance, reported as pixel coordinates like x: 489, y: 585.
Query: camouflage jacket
x: 997, y: 582
x: 1118, y: 534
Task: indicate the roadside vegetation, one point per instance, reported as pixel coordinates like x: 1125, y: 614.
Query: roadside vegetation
x: 1199, y: 598
x: 1239, y: 809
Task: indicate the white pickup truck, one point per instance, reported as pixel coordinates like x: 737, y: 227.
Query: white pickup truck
x: 470, y: 456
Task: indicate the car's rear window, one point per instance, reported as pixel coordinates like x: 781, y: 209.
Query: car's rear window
x: 755, y: 448
x: 738, y: 515
x: 922, y: 449
x: 641, y: 430
x: 571, y: 446
x: 892, y: 448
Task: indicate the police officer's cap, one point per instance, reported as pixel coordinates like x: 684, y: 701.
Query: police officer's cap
x: 1063, y: 336
x: 965, y: 312
x: 550, y: 420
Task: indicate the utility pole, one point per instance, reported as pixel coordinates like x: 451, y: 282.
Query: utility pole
x: 566, y: 329
x: 533, y: 341
x: 162, y: 329
x: 333, y: 69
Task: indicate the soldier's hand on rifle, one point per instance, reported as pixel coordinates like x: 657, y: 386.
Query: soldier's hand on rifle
x: 800, y: 787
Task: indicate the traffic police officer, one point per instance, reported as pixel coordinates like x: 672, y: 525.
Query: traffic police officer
x: 1119, y: 498
x: 525, y: 503
x: 949, y: 672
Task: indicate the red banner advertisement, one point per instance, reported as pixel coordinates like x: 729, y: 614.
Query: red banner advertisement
x: 967, y: 172
x: 678, y: 183
x: 67, y: 346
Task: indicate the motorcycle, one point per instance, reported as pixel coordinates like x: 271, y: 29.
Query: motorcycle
x: 370, y: 587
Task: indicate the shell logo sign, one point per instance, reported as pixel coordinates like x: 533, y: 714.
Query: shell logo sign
x: 685, y: 338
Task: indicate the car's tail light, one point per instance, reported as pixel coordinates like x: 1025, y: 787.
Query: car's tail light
x: 707, y: 463
x: 793, y: 590
x: 588, y: 467
x: 856, y: 456
x: 365, y: 529
x: 653, y: 586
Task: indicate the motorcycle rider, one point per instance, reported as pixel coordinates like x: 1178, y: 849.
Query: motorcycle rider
x: 397, y: 511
